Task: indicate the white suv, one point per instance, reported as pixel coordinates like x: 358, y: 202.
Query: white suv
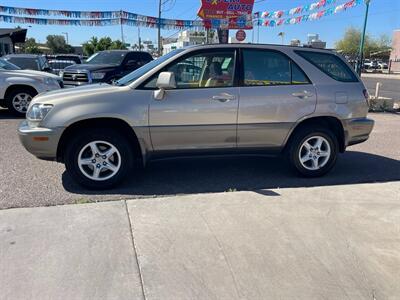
x: 18, y: 87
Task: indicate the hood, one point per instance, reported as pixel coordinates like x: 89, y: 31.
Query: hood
x: 89, y: 67
x: 64, y: 96
x: 32, y: 73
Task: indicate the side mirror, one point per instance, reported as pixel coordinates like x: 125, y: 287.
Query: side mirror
x: 165, y: 81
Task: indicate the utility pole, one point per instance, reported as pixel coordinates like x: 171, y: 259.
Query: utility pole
x: 159, y: 28
x: 361, y: 52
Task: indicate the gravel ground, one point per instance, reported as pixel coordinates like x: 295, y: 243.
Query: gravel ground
x: 28, y: 182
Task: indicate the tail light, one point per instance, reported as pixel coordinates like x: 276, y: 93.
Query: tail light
x: 366, y: 95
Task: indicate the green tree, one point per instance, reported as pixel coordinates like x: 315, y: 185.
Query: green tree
x: 57, y: 44
x: 30, y: 46
x: 106, y: 43
x: 349, y: 45
x: 89, y: 48
x: 117, y: 45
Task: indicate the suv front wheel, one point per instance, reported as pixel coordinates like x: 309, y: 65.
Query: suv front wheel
x: 313, y: 152
x: 18, y: 100
x: 99, y: 158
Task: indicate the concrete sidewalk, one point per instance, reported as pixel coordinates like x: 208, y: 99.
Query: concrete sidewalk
x: 333, y: 242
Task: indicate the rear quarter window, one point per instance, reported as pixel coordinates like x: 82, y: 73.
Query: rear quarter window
x: 330, y: 64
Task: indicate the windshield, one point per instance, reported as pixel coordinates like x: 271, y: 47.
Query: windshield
x: 106, y: 57
x: 25, y: 62
x: 131, y: 77
x: 5, y: 65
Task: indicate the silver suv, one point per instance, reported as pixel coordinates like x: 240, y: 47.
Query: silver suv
x: 222, y: 99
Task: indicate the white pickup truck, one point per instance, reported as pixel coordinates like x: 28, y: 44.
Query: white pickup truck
x: 18, y: 87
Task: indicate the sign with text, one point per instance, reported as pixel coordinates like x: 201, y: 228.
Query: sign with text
x: 227, y: 14
x: 224, y: 9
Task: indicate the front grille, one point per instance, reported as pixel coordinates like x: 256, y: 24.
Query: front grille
x: 76, y: 77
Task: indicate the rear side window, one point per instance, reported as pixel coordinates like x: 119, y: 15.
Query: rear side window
x: 330, y: 64
x: 266, y: 67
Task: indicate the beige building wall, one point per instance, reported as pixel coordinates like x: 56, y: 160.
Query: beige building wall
x: 395, y: 54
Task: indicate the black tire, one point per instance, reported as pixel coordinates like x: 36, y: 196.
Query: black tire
x: 14, y: 93
x: 300, y: 137
x: 82, y: 139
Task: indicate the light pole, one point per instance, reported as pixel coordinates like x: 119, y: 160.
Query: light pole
x: 139, y: 39
x: 66, y: 35
x: 361, y: 52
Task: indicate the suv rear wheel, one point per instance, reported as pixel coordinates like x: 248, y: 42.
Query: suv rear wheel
x: 313, y: 152
x: 18, y: 100
x: 99, y: 158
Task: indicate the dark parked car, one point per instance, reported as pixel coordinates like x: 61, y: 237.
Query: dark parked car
x: 29, y: 62
x: 58, y: 66
x: 65, y: 57
x: 105, y: 66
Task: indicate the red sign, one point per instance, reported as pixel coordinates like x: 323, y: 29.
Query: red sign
x: 240, y: 35
x: 223, y: 9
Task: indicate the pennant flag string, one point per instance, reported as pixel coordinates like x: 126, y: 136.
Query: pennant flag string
x: 110, y: 18
x: 147, y: 22
x: 311, y: 17
x: 60, y: 13
x: 297, y: 10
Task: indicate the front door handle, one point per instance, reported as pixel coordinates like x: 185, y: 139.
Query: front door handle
x: 303, y: 95
x: 224, y: 97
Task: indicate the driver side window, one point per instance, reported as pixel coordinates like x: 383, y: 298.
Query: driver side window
x: 205, y: 70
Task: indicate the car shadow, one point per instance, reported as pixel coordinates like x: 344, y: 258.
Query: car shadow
x: 211, y: 175
x: 5, y: 114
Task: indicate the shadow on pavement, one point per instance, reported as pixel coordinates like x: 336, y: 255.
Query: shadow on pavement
x: 210, y: 175
x: 6, y: 115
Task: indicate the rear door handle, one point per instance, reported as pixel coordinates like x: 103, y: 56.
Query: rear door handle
x: 303, y: 95
x: 224, y: 97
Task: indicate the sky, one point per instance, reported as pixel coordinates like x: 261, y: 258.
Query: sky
x: 384, y: 17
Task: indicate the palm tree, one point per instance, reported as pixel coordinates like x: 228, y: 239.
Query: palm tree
x: 282, y: 35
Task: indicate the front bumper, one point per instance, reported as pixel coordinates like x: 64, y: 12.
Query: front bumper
x: 357, y: 130
x: 41, y: 142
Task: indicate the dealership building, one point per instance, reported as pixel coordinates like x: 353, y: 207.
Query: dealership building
x: 9, y: 37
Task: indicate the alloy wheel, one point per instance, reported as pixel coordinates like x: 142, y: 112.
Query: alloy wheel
x: 99, y: 160
x: 21, y: 102
x: 315, y: 153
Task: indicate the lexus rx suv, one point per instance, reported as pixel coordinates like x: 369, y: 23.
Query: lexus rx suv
x: 305, y: 104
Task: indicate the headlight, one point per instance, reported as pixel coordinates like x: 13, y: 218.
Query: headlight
x: 61, y: 74
x: 98, y: 75
x: 38, y: 112
x: 50, y: 81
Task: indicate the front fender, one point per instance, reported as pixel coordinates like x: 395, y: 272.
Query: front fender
x: 11, y: 81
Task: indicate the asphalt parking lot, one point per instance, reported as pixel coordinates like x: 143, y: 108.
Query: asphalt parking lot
x: 390, y: 87
x: 28, y: 182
